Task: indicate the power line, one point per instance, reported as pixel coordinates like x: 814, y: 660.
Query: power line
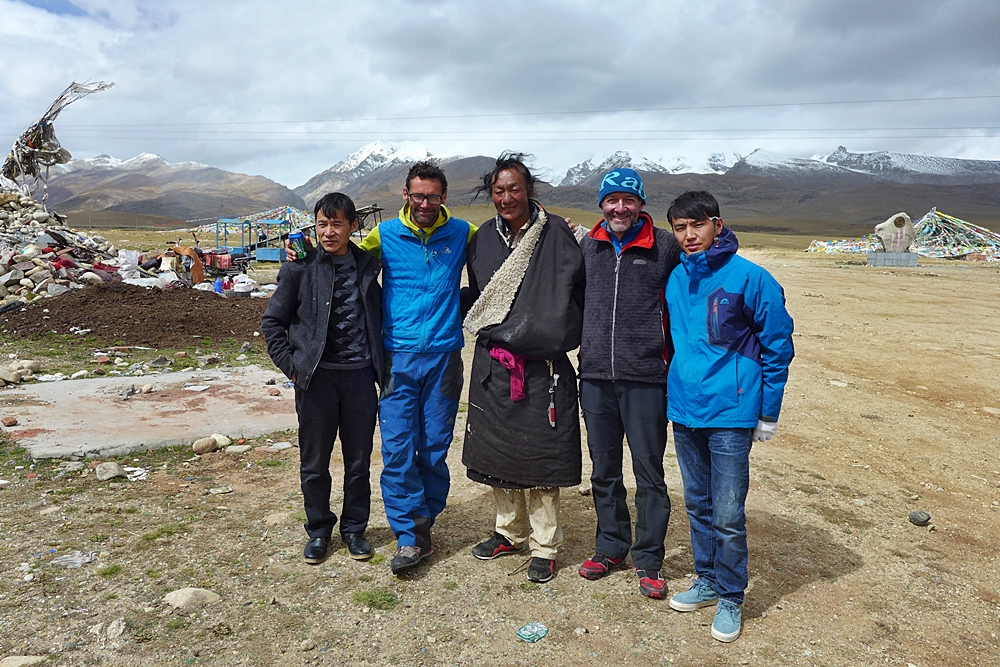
x: 555, y: 131
x: 525, y: 114
x: 487, y: 137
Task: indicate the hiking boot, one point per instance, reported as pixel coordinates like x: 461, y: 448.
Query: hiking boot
x: 651, y: 584
x: 407, y: 557
x: 422, y: 535
x: 599, y: 565
x: 498, y: 545
x: 541, y: 570
x: 728, y: 621
x: 699, y: 595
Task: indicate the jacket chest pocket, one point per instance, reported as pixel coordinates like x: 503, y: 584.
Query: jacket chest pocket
x: 725, y: 321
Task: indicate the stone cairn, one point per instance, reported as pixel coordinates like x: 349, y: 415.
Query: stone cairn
x: 40, y: 256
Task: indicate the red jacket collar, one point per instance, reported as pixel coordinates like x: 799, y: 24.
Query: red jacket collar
x: 644, y: 239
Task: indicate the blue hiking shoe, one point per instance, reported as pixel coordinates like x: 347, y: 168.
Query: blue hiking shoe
x: 699, y: 595
x: 728, y: 621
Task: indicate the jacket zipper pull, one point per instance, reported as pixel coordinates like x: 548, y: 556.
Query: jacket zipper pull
x: 553, y: 381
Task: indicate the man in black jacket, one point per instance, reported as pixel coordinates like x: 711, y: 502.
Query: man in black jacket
x: 323, y: 328
x: 522, y: 436
x: 624, y: 354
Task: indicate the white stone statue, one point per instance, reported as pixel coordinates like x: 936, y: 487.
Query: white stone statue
x: 896, y: 233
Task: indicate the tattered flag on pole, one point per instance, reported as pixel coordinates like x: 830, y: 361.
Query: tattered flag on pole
x: 37, y: 148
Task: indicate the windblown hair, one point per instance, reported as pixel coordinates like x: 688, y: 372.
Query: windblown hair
x: 513, y: 161
x: 694, y: 205
x: 427, y: 170
x: 332, y: 202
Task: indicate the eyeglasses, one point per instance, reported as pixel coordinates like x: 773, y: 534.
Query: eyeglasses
x: 417, y: 198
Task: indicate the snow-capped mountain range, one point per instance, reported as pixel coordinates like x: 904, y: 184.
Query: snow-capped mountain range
x: 368, y: 158
x: 578, y: 174
x: 880, y: 165
x: 141, y: 162
x: 149, y: 184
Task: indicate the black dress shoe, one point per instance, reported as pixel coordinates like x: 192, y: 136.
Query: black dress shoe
x: 315, y: 551
x: 357, y: 544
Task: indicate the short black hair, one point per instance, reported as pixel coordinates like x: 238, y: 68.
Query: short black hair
x: 694, y: 205
x: 332, y: 202
x: 427, y: 170
x: 513, y: 161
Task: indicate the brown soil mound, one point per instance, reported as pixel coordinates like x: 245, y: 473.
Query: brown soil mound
x: 122, y: 314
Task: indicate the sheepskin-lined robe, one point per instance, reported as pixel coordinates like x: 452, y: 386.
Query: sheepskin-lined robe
x: 535, y: 310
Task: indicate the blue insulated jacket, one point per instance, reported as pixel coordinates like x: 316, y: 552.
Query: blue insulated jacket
x: 421, y: 276
x: 732, y: 339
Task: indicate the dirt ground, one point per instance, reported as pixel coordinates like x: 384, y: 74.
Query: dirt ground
x: 892, y: 406
x: 121, y: 314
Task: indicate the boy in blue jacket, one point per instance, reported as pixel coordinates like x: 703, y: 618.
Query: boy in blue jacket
x: 733, y: 344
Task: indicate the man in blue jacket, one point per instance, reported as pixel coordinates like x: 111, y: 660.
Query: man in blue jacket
x: 733, y: 341
x: 423, y: 254
x: 623, y: 362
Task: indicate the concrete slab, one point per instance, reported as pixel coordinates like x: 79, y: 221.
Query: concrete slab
x: 88, y: 417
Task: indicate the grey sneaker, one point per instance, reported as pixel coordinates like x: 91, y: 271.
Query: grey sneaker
x: 406, y: 557
x: 699, y: 595
x: 728, y: 621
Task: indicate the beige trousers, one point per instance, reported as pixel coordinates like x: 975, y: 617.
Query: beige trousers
x: 530, y: 515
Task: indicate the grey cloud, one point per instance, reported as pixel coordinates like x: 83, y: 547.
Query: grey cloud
x: 182, y: 62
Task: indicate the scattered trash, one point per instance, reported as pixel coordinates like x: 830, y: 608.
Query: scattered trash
x: 919, y: 518
x: 196, y: 387
x: 220, y: 490
x: 532, y: 632
x: 288, y: 384
x: 136, y: 474
x: 75, y: 560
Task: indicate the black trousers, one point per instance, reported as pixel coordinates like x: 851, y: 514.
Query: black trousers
x: 344, y: 401
x: 637, y: 410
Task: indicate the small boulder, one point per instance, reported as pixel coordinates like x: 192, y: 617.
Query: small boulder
x: 190, y: 597
x: 22, y: 660
x: 274, y: 391
x: 109, y: 470
x: 33, y: 365
x: 8, y: 375
x: 160, y: 362
x: 221, y: 440
x: 9, y: 421
x: 238, y: 449
x: 205, y: 445
x: 79, y: 374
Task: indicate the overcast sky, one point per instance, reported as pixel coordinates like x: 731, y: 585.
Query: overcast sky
x: 286, y: 89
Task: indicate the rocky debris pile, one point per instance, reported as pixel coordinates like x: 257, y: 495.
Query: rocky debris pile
x: 40, y: 256
x: 19, y: 371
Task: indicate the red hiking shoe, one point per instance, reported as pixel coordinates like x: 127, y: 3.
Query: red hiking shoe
x: 599, y: 565
x: 651, y: 584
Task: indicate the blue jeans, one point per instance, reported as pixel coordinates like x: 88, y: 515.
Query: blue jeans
x: 417, y: 418
x: 715, y: 468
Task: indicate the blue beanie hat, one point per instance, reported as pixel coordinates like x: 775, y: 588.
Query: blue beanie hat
x: 622, y: 180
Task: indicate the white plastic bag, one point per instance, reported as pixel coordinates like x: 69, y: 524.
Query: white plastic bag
x: 128, y: 263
